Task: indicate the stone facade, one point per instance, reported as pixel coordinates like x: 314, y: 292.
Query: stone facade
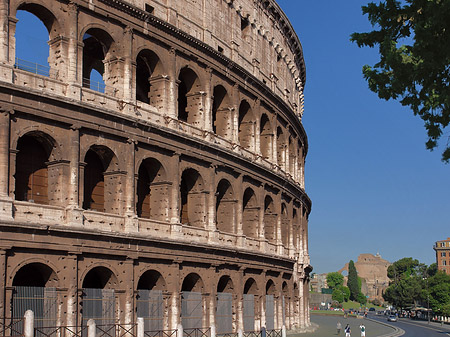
x: 442, y: 249
x: 373, y: 270
x: 182, y: 176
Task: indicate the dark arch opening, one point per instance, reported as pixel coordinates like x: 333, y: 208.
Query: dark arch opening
x: 151, y: 280
x: 192, y: 282
x: 35, y: 275
x: 99, y: 278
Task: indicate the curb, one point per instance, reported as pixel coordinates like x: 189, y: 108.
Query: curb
x: 397, y: 331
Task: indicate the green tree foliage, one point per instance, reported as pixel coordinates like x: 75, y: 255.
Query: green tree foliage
x: 402, y: 268
x: 361, y: 298
x: 341, y: 294
x: 352, y: 282
x: 404, y: 292
x: 438, y: 288
x: 334, y: 279
x: 413, y: 42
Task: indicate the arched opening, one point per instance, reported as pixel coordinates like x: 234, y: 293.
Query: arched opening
x: 246, y: 128
x: 193, y: 200
x: 150, y: 303
x: 32, y: 36
x: 281, y: 148
x: 270, y: 220
x: 285, y: 226
x: 250, y: 214
x: 31, y: 169
x: 190, y: 98
x: 270, y: 305
x: 192, y: 306
x: 285, y: 305
x: 35, y: 289
x: 96, y: 70
x: 148, y: 84
x: 100, y: 180
x: 152, y: 190
x: 266, y: 137
x: 225, y: 207
x: 249, y: 305
x: 221, y: 116
x: 224, y: 306
x: 292, y: 157
x: 98, y: 297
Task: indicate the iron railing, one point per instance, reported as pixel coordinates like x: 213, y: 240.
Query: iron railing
x: 32, y: 67
x: 252, y: 334
x: 161, y: 333
x: 273, y: 333
x: 11, y: 327
x: 62, y: 331
x: 197, y: 332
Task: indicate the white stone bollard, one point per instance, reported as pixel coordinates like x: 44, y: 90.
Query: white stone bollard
x: 213, y: 330
x: 283, y: 331
x: 180, y: 330
x: 240, y: 333
x: 140, y: 327
x: 91, y: 328
x: 28, y: 329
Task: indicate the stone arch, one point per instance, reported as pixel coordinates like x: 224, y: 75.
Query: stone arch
x: 101, y: 180
x: 225, y: 207
x: 266, y: 137
x: 190, y: 98
x: 35, y: 274
x: 250, y: 214
x: 221, y: 113
x: 193, y: 282
x: 150, y: 85
x: 281, y: 148
x: 285, y: 225
x: 192, y: 302
x: 152, y: 190
x: 246, y: 126
x: 149, y: 300
x: 296, y: 228
x: 225, y: 314
x: 97, y: 53
x: 193, y: 199
x: 98, y: 297
x: 53, y: 28
x: 34, y: 287
x: 250, y: 304
x: 270, y: 220
x: 32, y: 161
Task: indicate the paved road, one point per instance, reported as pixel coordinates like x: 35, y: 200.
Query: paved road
x: 327, y: 327
x: 418, y: 328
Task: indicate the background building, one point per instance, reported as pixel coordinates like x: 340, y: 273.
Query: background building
x: 442, y: 249
x: 372, y: 269
x: 171, y: 190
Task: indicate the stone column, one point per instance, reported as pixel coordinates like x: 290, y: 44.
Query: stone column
x: 4, y: 32
x: 72, y: 20
x: 131, y: 221
x: 5, y: 199
x: 208, y: 101
x: 172, y: 106
x: 72, y: 290
x: 211, y: 205
x: 301, y: 312
x: 128, y: 314
x: 127, y: 68
x: 235, y: 116
x: 257, y: 114
x: 175, y: 191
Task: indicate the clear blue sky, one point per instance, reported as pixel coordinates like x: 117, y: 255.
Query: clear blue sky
x: 374, y: 186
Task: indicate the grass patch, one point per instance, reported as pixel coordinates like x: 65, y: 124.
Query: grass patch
x: 330, y: 313
x: 356, y: 306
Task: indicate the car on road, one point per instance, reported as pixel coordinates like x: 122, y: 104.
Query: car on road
x: 392, y: 318
x: 372, y: 309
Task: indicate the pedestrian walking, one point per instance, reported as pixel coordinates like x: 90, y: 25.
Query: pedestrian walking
x: 338, y: 327
x: 347, y: 331
x: 363, y: 330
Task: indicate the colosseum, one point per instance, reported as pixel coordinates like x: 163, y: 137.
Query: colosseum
x: 168, y: 196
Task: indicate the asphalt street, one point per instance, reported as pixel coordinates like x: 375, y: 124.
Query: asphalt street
x: 414, y: 328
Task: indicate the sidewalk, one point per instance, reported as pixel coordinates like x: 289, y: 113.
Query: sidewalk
x: 327, y: 327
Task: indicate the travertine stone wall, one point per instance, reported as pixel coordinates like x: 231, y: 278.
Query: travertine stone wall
x: 184, y: 173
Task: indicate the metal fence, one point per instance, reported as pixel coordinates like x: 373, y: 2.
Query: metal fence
x: 10, y: 327
x: 99, y: 305
x: 224, y: 313
x: 191, y: 310
x: 197, y: 332
x: 42, y: 301
x: 249, y: 312
x: 32, y: 67
x: 62, y: 331
x: 161, y: 333
x: 270, y: 312
x: 150, y: 307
